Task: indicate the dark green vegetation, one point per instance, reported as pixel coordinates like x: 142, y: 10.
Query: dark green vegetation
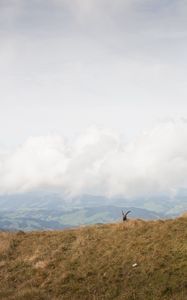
x: 96, y: 262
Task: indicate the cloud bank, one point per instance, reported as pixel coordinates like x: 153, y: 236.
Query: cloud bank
x: 99, y: 162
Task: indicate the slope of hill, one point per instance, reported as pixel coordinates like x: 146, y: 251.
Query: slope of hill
x: 133, y: 260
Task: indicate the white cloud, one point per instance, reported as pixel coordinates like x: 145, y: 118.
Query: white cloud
x: 99, y: 162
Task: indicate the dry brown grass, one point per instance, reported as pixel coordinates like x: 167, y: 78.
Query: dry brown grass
x: 184, y: 215
x: 5, y: 242
x: 96, y: 262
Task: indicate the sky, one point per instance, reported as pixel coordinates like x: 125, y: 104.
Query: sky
x: 91, y: 70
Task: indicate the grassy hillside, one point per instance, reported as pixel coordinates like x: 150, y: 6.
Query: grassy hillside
x: 96, y: 262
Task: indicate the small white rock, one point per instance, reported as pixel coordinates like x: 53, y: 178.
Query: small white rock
x: 134, y: 265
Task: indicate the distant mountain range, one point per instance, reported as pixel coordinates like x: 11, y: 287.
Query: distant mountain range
x: 48, y: 210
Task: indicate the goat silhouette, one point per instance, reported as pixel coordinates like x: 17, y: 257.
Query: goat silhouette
x: 125, y: 215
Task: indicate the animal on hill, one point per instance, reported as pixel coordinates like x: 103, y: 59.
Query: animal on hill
x: 125, y: 215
